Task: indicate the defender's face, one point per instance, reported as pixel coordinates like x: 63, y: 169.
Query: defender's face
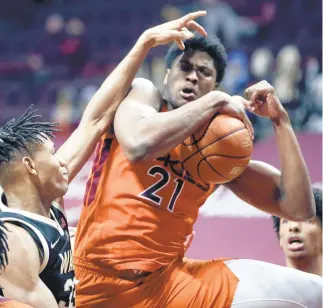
x: 301, y: 239
x: 192, y: 75
x: 51, y: 171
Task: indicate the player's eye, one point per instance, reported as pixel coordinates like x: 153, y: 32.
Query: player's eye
x: 205, y: 72
x: 186, y: 67
x: 310, y: 221
x: 285, y: 221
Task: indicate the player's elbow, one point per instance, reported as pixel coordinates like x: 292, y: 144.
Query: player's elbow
x: 302, y: 216
x: 137, y: 152
x: 302, y: 213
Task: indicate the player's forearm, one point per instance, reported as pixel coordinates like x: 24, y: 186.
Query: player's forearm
x: 105, y: 102
x: 158, y: 134
x: 297, y: 197
x: 33, y: 298
x: 99, y: 113
x: 38, y: 302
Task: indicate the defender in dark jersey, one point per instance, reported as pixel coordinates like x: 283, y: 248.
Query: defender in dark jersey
x: 49, y: 236
x: 40, y: 269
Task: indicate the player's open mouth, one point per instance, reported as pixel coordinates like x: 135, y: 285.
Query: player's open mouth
x: 295, y: 243
x: 188, y: 94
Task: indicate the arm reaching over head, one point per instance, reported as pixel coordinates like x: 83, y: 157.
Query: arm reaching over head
x: 287, y: 193
x: 20, y: 279
x: 99, y: 114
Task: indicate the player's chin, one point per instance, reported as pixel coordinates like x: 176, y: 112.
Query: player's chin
x: 182, y: 101
x: 299, y: 254
x: 62, y: 189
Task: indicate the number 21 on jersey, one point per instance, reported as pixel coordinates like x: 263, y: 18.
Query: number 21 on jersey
x: 153, y: 193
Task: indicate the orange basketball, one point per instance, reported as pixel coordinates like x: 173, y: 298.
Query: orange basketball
x: 217, y: 153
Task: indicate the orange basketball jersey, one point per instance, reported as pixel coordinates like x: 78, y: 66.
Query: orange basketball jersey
x: 136, y: 215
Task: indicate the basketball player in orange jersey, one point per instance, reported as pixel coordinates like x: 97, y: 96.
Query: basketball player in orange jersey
x: 140, y: 204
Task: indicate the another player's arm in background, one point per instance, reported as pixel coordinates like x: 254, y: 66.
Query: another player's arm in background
x: 287, y: 193
x: 20, y: 280
x: 146, y: 133
x: 99, y: 114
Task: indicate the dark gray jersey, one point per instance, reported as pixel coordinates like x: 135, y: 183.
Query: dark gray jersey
x: 52, y: 239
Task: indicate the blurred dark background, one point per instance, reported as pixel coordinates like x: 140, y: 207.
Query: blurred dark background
x: 55, y: 53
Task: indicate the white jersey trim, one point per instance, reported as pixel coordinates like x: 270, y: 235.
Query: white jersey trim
x: 38, y: 217
x: 40, y: 236
x: 59, y: 207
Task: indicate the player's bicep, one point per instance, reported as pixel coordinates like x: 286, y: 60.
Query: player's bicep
x: 260, y: 186
x: 142, y: 101
x: 20, y: 279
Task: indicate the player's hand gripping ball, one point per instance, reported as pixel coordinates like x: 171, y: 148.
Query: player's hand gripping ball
x: 219, y: 152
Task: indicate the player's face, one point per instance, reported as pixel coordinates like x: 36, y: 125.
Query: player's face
x: 192, y: 75
x: 51, y: 171
x: 301, y: 239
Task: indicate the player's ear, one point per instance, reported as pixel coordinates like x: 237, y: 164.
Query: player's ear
x: 29, y: 165
x: 216, y: 85
x: 280, y: 243
x: 166, y: 76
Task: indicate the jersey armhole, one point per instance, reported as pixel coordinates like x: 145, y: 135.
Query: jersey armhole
x: 19, y: 222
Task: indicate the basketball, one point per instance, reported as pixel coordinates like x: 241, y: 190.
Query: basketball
x: 217, y: 153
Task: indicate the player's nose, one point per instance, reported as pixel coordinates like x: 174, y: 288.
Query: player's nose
x: 192, y: 77
x: 294, y: 226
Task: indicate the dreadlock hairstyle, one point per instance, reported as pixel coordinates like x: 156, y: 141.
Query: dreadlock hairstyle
x: 15, y: 135
x: 3, y: 246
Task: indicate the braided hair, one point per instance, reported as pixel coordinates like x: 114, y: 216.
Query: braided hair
x: 15, y: 135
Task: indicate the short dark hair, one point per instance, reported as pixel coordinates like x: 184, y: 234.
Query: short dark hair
x: 317, y: 191
x: 16, y: 135
x: 208, y: 44
x: 3, y: 246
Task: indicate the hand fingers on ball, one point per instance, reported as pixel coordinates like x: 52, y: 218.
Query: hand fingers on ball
x: 247, y: 104
x: 248, y: 125
x: 248, y: 92
x: 256, y: 101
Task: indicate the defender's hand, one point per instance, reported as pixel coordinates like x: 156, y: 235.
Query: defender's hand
x: 263, y: 101
x: 175, y: 30
x: 234, y: 106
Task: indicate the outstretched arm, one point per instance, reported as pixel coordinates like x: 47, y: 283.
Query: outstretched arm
x: 99, y: 114
x: 20, y: 280
x: 286, y: 193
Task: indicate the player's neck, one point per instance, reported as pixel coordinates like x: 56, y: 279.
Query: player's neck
x: 21, y: 198
x: 311, y: 265
x: 170, y: 106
